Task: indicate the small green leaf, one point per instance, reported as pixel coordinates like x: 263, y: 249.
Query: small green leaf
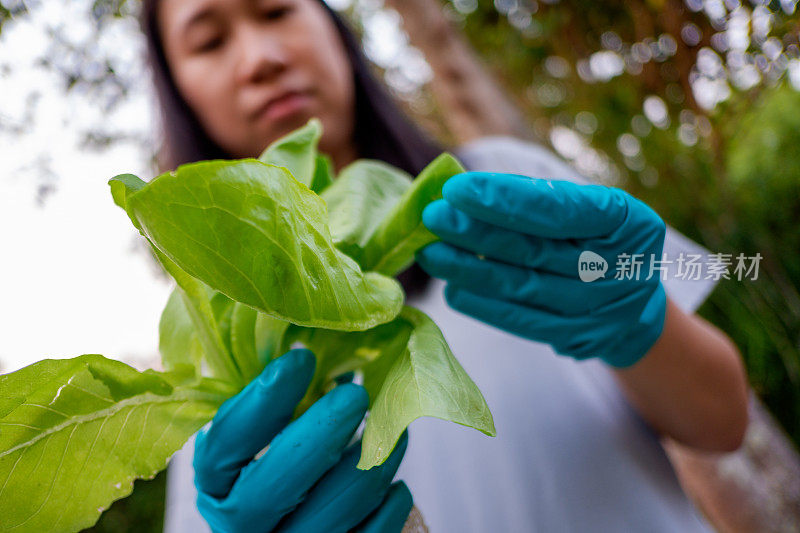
x: 222, y: 307
x: 270, y: 338
x: 409, y: 372
x: 122, y: 185
x: 338, y: 352
x: 297, y: 152
x: 243, y: 340
x: 197, y: 301
x: 254, y: 233
x: 177, y: 338
x: 360, y: 198
x: 323, y: 174
x: 392, y: 245
x: 83, y: 429
x: 424, y: 380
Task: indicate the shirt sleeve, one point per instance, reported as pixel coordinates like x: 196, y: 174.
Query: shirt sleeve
x: 684, y: 274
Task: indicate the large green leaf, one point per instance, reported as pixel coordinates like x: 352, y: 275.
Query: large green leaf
x: 424, y: 380
x: 359, y: 199
x: 297, y: 152
x: 254, y: 233
x: 196, y: 294
x: 400, y: 234
x: 75, y: 433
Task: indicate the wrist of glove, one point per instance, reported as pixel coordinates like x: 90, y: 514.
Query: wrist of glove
x: 574, y: 266
x: 307, y: 479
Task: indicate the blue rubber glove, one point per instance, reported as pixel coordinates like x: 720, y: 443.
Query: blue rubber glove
x: 306, y: 481
x: 510, y: 248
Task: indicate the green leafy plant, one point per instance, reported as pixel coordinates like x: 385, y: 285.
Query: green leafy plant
x: 266, y: 253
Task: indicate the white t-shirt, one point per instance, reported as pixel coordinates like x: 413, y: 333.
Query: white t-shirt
x: 570, y: 454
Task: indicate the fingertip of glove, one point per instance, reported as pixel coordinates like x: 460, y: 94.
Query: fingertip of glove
x: 298, y: 358
x: 426, y: 257
x: 464, y: 301
x: 297, y: 365
x: 348, y: 396
x: 398, y: 502
x: 445, y: 220
x: 460, y: 186
x: 402, y: 494
x: 451, y: 294
x: 387, y: 470
x: 432, y: 214
x: 402, y: 443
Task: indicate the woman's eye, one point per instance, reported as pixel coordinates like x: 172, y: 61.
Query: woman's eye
x: 277, y: 13
x: 209, y: 45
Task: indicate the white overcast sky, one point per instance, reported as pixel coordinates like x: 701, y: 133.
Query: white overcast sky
x: 70, y: 282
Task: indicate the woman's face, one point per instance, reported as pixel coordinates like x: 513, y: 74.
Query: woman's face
x: 231, y: 60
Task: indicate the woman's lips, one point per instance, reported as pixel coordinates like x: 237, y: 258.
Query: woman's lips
x: 286, y: 105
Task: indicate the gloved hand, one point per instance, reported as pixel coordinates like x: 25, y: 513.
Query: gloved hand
x: 306, y: 480
x: 510, y: 248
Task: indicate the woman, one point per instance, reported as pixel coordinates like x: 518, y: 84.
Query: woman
x: 592, y: 374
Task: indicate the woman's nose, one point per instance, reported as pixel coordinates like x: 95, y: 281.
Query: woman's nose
x: 261, y: 54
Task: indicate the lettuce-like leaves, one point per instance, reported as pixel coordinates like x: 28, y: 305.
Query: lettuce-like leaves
x: 297, y: 152
x: 259, y: 266
x: 323, y: 174
x: 409, y: 372
x: 391, y: 246
x: 270, y: 334
x: 195, y: 294
x: 205, y: 314
x: 360, y: 198
x: 75, y: 433
x: 254, y: 233
x: 243, y: 340
x: 339, y: 352
x: 178, y: 342
x: 425, y: 379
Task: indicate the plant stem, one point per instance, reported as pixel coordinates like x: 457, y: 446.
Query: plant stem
x: 197, y: 304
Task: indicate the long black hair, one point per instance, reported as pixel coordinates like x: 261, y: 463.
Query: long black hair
x: 381, y: 129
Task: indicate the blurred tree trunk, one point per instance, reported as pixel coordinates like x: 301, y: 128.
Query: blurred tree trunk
x: 756, y: 488
x: 473, y: 104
